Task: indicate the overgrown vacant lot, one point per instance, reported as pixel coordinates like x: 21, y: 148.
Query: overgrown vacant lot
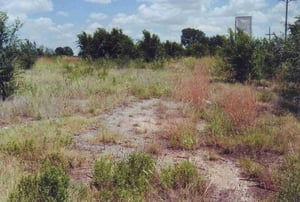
x: 110, y: 131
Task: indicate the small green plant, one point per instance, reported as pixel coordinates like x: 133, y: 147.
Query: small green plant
x: 183, y: 176
x: 290, y: 188
x: 252, y: 169
x: 219, y: 123
x: 50, y: 185
x: 103, y: 173
x: 183, y: 136
x: 150, y: 90
x: 266, y: 96
x: 180, y: 176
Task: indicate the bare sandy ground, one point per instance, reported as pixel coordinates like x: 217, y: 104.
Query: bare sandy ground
x: 139, y: 123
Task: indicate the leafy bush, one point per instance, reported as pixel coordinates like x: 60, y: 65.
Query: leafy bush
x: 51, y: 185
x: 28, y: 54
x: 8, y: 55
x: 238, y: 52
x: 220, y: 69
x: 103, y: 173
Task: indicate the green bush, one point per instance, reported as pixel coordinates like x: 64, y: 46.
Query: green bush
x: 8, y: 55
x: 126, y: 180
x: 239, y: 53
x: 103, y: 173
x: 51, y: 185
x: 28, y: 54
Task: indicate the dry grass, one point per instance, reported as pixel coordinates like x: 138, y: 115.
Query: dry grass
x: 153, y: 148
x: 182, y: 135
x: 240, y: 104
x: 60, y: 97
x: 195, y: 88
x: 104, y: 135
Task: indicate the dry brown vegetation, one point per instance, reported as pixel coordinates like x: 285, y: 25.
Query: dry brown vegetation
x: 240, y: 104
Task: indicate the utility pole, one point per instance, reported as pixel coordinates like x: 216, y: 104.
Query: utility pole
x: 286, y: 17
x: 269, y: 34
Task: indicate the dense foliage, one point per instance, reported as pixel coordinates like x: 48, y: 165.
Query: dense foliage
x: 50, y: 185
x: 64, y: 51
x: 8, y: 54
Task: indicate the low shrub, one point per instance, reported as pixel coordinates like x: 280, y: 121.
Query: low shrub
x: 52, y: 184
x: 126, y: 180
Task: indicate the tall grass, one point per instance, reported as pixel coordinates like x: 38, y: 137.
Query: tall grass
x: 195, y: 88
x: 57, y: 87
x: 240, y: 104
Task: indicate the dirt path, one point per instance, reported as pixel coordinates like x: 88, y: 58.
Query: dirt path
x: 139, y: 123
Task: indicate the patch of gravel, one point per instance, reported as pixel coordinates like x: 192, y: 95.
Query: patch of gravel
x: 138, y: 124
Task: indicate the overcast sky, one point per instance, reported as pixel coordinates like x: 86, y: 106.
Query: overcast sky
x: 54, y: 23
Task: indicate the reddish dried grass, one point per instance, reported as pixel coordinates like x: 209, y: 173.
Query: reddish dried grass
x: 241, y: 106
x: 196, y: 88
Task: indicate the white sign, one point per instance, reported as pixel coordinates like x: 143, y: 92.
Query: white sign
x: 244, y: 23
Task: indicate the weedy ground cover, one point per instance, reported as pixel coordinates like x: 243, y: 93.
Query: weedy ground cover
x: 60, y: 98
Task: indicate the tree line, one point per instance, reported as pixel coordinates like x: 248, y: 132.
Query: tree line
x: 116, y: 44
x: 242, y: 57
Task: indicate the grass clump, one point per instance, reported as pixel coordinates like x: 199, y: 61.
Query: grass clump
x: 182, y: 136
x: 219, y: 123
x: 252, y: 169
x: 240, y: 105
x: 266, y: 96
x: 290, y: 186
x: 127, y: 180
x: 183, y: 178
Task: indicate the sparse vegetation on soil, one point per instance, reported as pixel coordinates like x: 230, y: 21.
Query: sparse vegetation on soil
x: 100, y: 132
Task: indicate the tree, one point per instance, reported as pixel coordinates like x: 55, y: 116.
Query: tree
x: 150, y: 46
x: 239, y: 52
x: 105, y: 44
x: 293, y: 51
x: 173, y: 49
x: 85, y: 44
x: 28, y: 54
x: 195, y: 42
x: 192, y: 36
x: 8, y: 54
x: 64, y: 51
x: 215, y: 44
